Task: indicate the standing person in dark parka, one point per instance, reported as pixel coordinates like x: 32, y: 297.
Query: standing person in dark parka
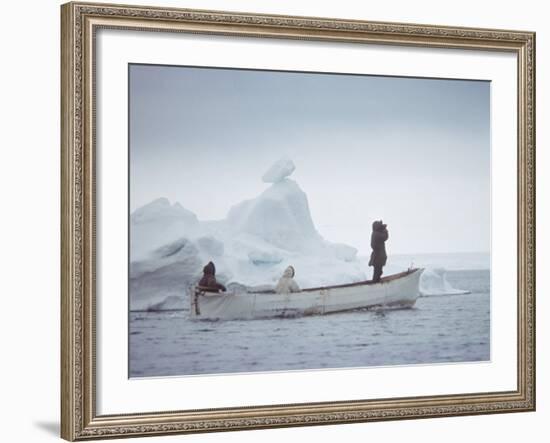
x: 378, y: 256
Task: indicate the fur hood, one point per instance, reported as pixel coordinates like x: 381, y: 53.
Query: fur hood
x: 289, y: 272
x: 209, y: 269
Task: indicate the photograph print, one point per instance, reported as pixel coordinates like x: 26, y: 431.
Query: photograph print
x: 283, y: 220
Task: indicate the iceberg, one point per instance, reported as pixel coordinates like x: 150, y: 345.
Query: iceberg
x: 156, y: 282
x: 251, y: 247
x: 211, y: 246
x: 159, y: 223
x: 279, y: 216
x: 279, y: 171
x: 161, y: 209
x: 434, y: 282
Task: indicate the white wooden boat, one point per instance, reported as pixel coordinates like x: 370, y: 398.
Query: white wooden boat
x: 398, y: 290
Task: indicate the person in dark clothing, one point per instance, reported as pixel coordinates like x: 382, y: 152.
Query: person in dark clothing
x: 378, y: 256
x: 208, y: 281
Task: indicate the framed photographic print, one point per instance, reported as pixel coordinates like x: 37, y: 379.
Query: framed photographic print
x: 283, y: 221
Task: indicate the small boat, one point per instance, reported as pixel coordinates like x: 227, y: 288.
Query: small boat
x: 394, y: 291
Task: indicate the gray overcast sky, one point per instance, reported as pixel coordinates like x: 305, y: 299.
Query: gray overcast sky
x: 414, y: 152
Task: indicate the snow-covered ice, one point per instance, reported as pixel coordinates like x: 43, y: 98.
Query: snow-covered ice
x: 436, y: 268
x: 252, y: 246
x: 434, y: 282
x: 279, y: 216
x: 279, y: 170
x: 159, y: 223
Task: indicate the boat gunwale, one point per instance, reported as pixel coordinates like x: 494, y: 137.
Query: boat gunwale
x: 204, y: 292
x: 387, y: 279
x: 366, y: 282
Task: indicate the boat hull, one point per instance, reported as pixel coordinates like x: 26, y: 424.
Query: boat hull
x: 399, y: 290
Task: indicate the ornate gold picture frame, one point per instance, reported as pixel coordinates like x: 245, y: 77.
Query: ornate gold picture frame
x: 80, y: 23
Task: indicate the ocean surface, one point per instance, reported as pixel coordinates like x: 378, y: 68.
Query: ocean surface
x: 439, y: 329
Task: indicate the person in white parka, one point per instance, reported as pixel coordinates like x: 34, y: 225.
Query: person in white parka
x: 286, y: 283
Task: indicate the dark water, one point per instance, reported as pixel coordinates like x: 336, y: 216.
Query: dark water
x: 446, y: 328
